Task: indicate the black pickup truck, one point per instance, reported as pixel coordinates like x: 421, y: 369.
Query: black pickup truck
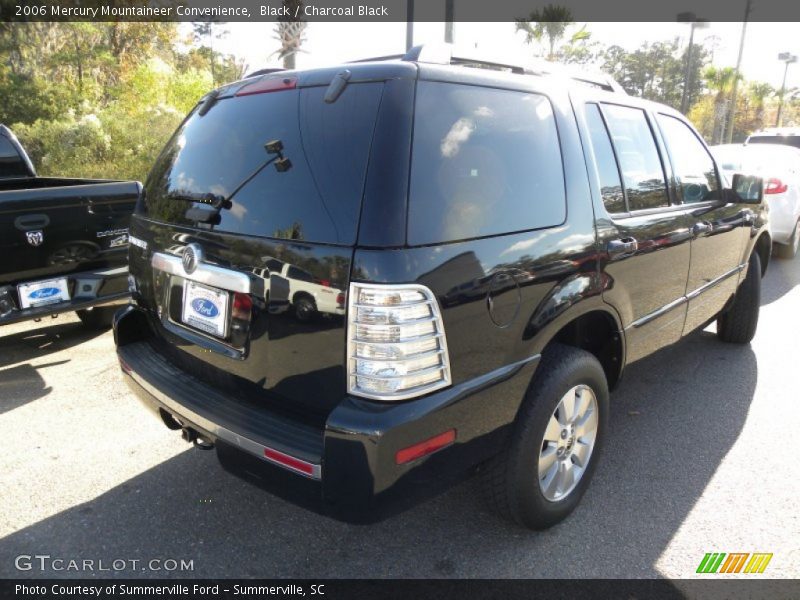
x: 63, y: 241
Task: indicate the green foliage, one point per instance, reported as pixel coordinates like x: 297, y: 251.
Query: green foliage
x: 552, y: 22
x: 656, y: 71
x: 100, y: 100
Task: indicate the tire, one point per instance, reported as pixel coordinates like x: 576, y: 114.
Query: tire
x: 304, y: 309
x: 98, y: 317
x: 789, y: 250
x: 511, y: 480
x: 738, y: 324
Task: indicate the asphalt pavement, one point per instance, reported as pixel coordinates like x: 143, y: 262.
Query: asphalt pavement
x: 702, y: 457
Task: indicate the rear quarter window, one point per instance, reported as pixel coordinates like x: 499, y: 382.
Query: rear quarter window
x: 484, y: 162
x: 11, y: 163
x: 785, y: 140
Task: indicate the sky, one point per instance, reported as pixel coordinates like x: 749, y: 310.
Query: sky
x: 333, y: 43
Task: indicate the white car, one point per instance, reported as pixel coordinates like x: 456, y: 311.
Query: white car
x: 300, y: 290
x: 779, y: 165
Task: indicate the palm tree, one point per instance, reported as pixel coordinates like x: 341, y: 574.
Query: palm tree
x: 290, y: 32
x: 551, y: 22
x: 720, y: 81
x: 759, y: 91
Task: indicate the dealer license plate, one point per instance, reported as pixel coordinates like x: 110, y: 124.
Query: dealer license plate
x: 205, y: 308
x: 42, y: 293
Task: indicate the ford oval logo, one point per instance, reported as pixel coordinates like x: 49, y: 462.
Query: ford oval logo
x: 205, y: 307
x: 43, y: 293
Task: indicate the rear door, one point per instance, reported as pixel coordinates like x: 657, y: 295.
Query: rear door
x: 288, y: 229
x: 719, y: 228
x: 644, y: 233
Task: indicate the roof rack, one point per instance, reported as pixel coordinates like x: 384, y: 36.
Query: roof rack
x: 442, y: 54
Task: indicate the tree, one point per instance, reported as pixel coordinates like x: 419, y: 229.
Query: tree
x: 205, y: 32
x: 551, y: 22
x: 758, y: 92
x: 98, y: 100
x: 720, y: 82
x: 655, y: 70
x: 290, y: 33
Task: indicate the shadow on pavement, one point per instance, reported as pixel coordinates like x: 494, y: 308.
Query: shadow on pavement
x: 783, y: 275
x: 41, y: 341
x: 674, y: 418
x: 22, y: 384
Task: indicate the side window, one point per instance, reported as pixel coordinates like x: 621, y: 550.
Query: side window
x: 638, y: 157
x: 484, y: 162
x: 299, y: 274
x: 610, y: 183
x: 693, y: 165
x: 11, y: 164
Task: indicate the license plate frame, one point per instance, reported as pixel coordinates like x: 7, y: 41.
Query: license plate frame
x: 35, y: 294
x: 206, y: 309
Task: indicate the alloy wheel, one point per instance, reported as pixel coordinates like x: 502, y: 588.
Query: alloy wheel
x: 569, y: 440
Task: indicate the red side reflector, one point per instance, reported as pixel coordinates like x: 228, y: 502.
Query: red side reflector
x: 430, y: 446
x: 267, y: 85
x: 775, y: 186
x: 289, y: 461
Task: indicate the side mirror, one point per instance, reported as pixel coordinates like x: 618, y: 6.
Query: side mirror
x: 747, y: 189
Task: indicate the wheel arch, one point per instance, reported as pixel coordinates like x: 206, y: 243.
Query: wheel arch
x: 303, y: 294
x: 763, y: 247
x: 594, y: 326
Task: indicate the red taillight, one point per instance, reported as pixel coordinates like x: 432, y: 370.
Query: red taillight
x: 267, y: 85
x: 430, y: 446
x: 242, y: 306
x: 325, y: 282
x: 775, y: 186
x: 340, y: 299
x: 295, y: 464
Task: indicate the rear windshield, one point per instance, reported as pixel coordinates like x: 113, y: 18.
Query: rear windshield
x: 484, y: 162
x: 787, y: 140
x: 11, y: 163
x: 222, y: 154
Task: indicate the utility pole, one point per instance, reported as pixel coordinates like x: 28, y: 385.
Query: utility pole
x: 728, y: 137
x: 409, y: 24
x: 449, y: 10
x: 788, y: 58
x: 694, y: 22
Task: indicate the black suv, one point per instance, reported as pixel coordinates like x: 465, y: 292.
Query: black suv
x: 504, y: 243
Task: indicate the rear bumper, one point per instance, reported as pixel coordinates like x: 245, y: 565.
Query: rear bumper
x: 346, y: 469
x: 89, y: 289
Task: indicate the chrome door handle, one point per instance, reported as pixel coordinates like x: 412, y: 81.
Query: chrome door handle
x: 622, y: 247
x: 701, y: 228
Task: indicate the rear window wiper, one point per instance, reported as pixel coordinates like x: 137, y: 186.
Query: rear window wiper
x: 218, y: 202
